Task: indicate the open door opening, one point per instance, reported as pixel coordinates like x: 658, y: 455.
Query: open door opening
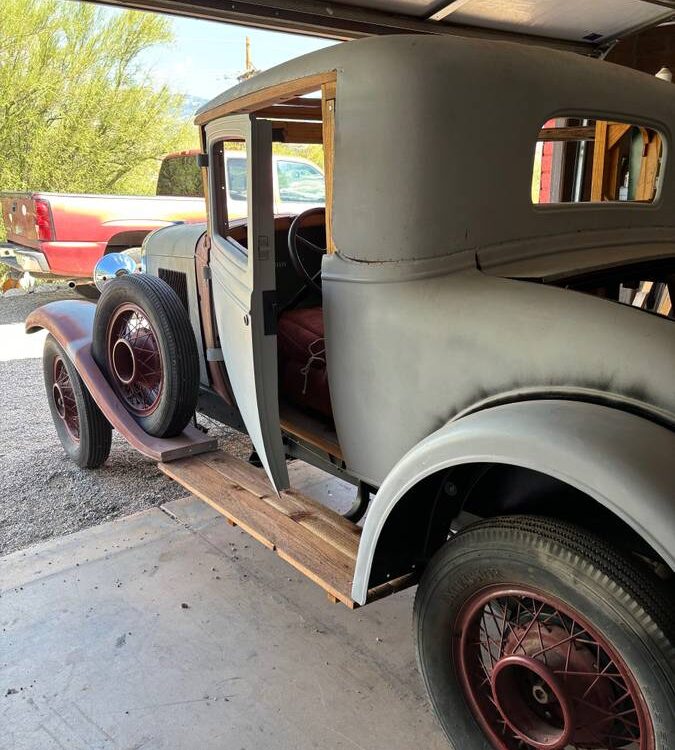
x: 270, y: 186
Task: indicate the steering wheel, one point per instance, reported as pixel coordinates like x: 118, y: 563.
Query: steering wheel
x: 297, y: 241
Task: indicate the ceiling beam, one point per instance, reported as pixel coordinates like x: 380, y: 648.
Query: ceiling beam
x: 664, y: 3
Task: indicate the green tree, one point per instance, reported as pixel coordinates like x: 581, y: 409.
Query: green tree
x: 77, y: 111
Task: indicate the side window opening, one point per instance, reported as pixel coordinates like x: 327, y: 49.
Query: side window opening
x: 300, y: 182
x: 237, y: 178
x: 230, y: 185
x: 589, y: 160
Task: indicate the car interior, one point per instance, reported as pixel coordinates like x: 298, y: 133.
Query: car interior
x: 300, y: 243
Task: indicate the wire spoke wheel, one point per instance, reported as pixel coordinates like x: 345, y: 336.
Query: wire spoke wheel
x: 83, y: 431
x: 134, y: 359
x: 537, y: 675
x: 533, y: 633
x: 144, y: 343
x: 63, y: 396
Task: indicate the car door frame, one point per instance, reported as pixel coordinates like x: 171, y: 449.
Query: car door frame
x: 244, y: 282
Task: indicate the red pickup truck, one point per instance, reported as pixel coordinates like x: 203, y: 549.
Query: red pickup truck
x: 56, y: 234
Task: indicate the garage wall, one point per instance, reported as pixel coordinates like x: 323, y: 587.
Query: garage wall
x: 647, y: 51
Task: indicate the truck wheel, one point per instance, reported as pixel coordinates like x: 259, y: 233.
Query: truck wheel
x: 533, y: 634
x: 88, y: 291
x: 144, y: 343
x: 82, y: 429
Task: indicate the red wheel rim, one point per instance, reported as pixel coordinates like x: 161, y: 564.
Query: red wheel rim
x: 537, y: 676
x: 134, y: 360
x: 64, y: 399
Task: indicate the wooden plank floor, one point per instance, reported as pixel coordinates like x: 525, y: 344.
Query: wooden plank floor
x: 320, y: 543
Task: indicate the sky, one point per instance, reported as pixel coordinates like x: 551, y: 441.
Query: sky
x: 206, y: 56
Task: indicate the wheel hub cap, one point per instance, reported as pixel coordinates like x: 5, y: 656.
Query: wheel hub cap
x: 123, y: 361
x: 532, y: 702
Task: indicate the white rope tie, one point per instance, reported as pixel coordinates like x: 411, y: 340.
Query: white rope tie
x: 314, y: 355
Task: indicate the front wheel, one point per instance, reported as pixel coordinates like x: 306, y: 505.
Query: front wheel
x: 144, y: 343
x: 536, y: 635
x: 84, y: 432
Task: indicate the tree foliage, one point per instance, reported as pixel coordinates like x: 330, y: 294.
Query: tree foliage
x: 77, y: 111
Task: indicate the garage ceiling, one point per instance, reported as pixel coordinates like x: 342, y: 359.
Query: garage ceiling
x: 583, y: 25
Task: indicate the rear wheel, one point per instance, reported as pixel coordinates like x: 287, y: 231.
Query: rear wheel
x: 144, y: 343
x: 535, y: 635
x: 83, y: 431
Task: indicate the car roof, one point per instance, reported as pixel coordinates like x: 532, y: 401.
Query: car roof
x: 434, y: 145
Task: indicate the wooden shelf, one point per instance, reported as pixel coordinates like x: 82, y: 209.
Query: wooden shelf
x: 315, y: 540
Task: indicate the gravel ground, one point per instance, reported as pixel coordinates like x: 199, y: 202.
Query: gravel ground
x: 42, y: 493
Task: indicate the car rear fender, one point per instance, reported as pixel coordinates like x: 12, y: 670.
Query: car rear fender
x: 622, y: 460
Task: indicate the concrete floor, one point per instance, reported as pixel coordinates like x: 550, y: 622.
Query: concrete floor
x: 171, y: 629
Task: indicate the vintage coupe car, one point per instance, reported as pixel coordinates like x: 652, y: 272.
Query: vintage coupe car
x: 487, y: 354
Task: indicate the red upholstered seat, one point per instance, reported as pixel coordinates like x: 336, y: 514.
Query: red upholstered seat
x: 303, y: 378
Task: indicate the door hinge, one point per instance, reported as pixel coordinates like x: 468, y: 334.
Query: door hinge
x: 206, y: 273
x: 214, y: 355
x: 202, y: 160
x: 269, y: 303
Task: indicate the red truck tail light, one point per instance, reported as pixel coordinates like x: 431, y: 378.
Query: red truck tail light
x: 43, y: 220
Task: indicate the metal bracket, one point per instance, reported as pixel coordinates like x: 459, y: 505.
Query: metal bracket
x: 202, y: 160
x: 214, y: 355
x: 206, y: 273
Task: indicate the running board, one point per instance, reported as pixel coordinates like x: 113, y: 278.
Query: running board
x: 315, y: 540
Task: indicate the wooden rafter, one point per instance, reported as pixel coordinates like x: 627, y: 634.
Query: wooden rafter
x: 264, y: 98
x: 572, y: 133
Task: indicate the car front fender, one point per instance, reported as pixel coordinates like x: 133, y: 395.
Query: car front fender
x: 71, y: 323
x: 624, y: 461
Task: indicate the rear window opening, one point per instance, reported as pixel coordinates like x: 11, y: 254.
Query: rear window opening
x: 587, y: 160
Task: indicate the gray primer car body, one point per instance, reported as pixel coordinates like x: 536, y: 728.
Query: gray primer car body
x: 440, y: 349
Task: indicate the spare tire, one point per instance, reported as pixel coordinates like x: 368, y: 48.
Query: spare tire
x: 144, y: 344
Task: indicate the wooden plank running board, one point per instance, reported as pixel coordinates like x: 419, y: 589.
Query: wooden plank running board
x: 315, y: 540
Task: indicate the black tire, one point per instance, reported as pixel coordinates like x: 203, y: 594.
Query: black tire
x: 619, y: 602
x: 87, y: 444
x: 168, y: 323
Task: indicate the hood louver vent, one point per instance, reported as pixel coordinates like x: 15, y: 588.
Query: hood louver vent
x: 177, y: 280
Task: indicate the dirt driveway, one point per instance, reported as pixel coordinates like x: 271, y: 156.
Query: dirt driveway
x: 43, y: 494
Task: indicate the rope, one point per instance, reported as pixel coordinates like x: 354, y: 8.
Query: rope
x: 314, y: 355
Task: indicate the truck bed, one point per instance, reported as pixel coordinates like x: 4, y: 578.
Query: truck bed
x: 78, y: 229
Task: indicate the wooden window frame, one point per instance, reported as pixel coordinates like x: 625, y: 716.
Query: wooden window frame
x: 294, y: 118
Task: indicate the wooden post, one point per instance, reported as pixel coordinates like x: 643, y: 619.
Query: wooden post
x: 328, y: 115
x: 599, y: 155
x: 649, y: 167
